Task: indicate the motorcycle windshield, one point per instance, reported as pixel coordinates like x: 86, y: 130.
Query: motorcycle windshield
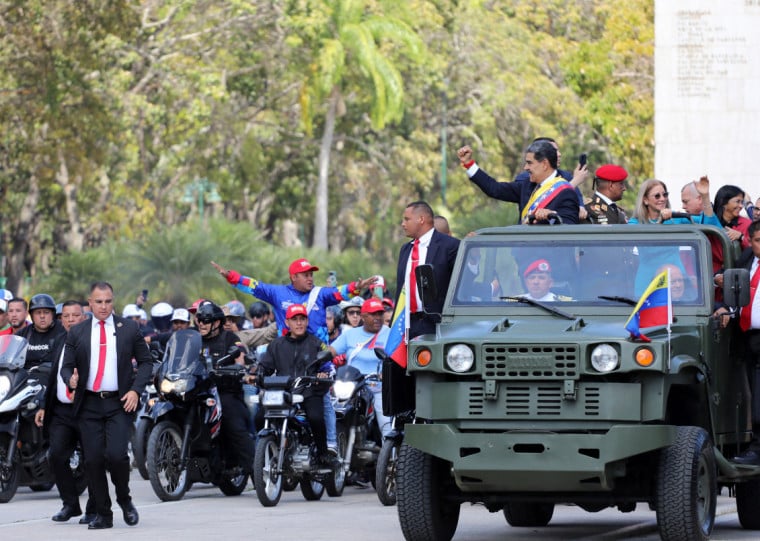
x: 183, y: 354
x: 12, y: 351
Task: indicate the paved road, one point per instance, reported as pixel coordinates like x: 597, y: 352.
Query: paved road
x: 356, y: 515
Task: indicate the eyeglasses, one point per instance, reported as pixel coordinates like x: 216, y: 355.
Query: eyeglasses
x: 353, y: 313
x: 662, y: 195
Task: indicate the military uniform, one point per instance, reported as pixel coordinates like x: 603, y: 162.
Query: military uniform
x: 601, y: 212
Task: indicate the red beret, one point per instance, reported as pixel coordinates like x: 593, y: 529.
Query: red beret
x: 539, y: 265
x: 612, y: 173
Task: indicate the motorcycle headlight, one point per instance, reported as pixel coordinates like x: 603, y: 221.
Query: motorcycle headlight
x: 343, y: 389
x: 273, y: 398
x: 460, y: 358
x: 177, y: 387
x: 5, y: 386
x: 604, y: 358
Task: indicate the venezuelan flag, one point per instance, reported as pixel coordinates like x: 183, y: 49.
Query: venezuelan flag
x: 654, y: 308
x: 395, y: 345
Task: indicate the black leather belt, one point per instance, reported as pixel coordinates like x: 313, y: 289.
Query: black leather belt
x: 103, y: 394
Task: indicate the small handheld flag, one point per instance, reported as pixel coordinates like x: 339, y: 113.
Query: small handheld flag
x: 395, y: 346
x: 654, y: 308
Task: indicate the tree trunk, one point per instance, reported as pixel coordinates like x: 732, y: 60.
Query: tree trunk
x: 74, y: 236
x: 320, y: 213
x: 20, y: 234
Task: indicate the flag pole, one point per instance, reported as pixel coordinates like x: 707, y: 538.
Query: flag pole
x: 670, y: 319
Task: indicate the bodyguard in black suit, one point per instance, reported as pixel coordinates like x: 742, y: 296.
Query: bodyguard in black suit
x: 62, y: 429
x: 535, y: 198
x: 429, y: 247
x: 107, y: 395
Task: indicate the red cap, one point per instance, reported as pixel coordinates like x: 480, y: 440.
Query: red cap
x: 372, y: 305
x: 612, y: 173
x: 539, y: 265
x: 296, y: 310
x: 194, y: 307
x: 388, y: 302
x: 301, y: 265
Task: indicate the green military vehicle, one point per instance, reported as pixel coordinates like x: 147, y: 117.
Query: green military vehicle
x: 529, y: 397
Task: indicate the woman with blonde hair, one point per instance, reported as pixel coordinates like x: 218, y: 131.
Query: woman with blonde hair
x: 653, y: 205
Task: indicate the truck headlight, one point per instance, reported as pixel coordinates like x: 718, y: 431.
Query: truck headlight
x: 460, y: 358
x: 604, y: 358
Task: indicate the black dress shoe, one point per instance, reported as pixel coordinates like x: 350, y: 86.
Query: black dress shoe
x: 87, y: 518
x: 100, y: 523
x: 750, y: 457
x: 66, y: 512
x: 130, y: 514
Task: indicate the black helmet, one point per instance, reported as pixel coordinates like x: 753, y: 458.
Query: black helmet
x: 337, y: 314
x: 208, y: 312
x: 41, y: 300
x: 258, y: 309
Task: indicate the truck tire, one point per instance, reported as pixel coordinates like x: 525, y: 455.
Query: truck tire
x: 686, y: 487
x: 748, y: 504
x: 423, y: 511
x: 528, y: 514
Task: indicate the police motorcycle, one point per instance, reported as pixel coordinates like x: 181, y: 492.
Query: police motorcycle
x: 184, y: 445
x: 285, y: 449
x: 144, y: 423
x: 359, y: 435
x: 23, y: 450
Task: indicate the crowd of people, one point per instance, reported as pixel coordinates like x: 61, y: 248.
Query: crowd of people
x: 101, y: 361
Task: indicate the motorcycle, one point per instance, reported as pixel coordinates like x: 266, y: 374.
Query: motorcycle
x: 359, y: 436
x: 385, y: 471
x: 23, y: 450
x: 144, y: 423
x: 183, y: 447
x: 285, y: 450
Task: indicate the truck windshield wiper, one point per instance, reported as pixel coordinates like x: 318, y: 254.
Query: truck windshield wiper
x: 551, y: 309
x: 624, y: 300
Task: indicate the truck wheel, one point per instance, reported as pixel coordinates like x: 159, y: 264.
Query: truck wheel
x: 385, y: 472
x: 686, y: 486
x: 528, y: 514
x: 266, y: 479
x: 748, y: 504
x: 423, y: 511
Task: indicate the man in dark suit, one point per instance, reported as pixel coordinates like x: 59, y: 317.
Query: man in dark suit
x: 59, y: 424
x: 544, y: 196
x: 428, y: 247
x: 107, y: 395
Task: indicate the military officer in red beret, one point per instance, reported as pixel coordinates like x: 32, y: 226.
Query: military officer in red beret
x: 609, y: 181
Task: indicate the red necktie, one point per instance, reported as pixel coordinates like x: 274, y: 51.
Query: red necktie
x: 745, y: 318
x: 101, y: 357
x: 412, y: 278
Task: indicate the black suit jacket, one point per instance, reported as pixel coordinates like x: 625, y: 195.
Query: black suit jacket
x: 129, y: 344
x: 564, y: 203
x: 441, y: 254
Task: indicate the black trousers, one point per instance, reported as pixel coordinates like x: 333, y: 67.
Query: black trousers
x: 106, y: 429
x: 314, y: 406
x: 753, y: 376
x: 237, y: 437
x: 64, y: 434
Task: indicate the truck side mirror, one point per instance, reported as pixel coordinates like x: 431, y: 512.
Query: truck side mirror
x: 426, y: 283
x: 736, y: 287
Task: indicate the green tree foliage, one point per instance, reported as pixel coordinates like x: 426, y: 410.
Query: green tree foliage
x: 112, y: 109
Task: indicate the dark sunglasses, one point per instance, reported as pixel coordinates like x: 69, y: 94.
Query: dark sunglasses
x: 663, y: 195
x: 353, y: 312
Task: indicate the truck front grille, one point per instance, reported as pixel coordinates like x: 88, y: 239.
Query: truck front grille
x: 530, y: 362
x: 537, y: 400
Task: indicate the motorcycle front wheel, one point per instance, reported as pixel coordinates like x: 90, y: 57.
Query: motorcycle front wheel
x: 312, y: 490
x: 336, y: 481
x: 233, y: 483
x: 8, y: 475
x: 140, y: 445
x: 167, y: 478
x: 385, y: 472
x: 266, y: 478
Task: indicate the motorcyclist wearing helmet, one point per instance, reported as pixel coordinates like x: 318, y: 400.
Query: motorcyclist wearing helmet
x: 5, y: 326
x: 45, y: 334
x: 291, y: 355
x: 334, y: 320
x: 216, y: 344
x: 159, y: 329
x: 259, y: 312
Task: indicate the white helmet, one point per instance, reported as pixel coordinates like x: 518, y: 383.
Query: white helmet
x: 130, y: 310
x: 161, y: 309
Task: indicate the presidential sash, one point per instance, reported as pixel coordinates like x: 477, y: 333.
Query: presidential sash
x: 544, y: 195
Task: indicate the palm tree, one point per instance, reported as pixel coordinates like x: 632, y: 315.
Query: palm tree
x: 350, y: 46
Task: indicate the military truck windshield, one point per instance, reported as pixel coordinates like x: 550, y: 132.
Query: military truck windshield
x: 577, y: 271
